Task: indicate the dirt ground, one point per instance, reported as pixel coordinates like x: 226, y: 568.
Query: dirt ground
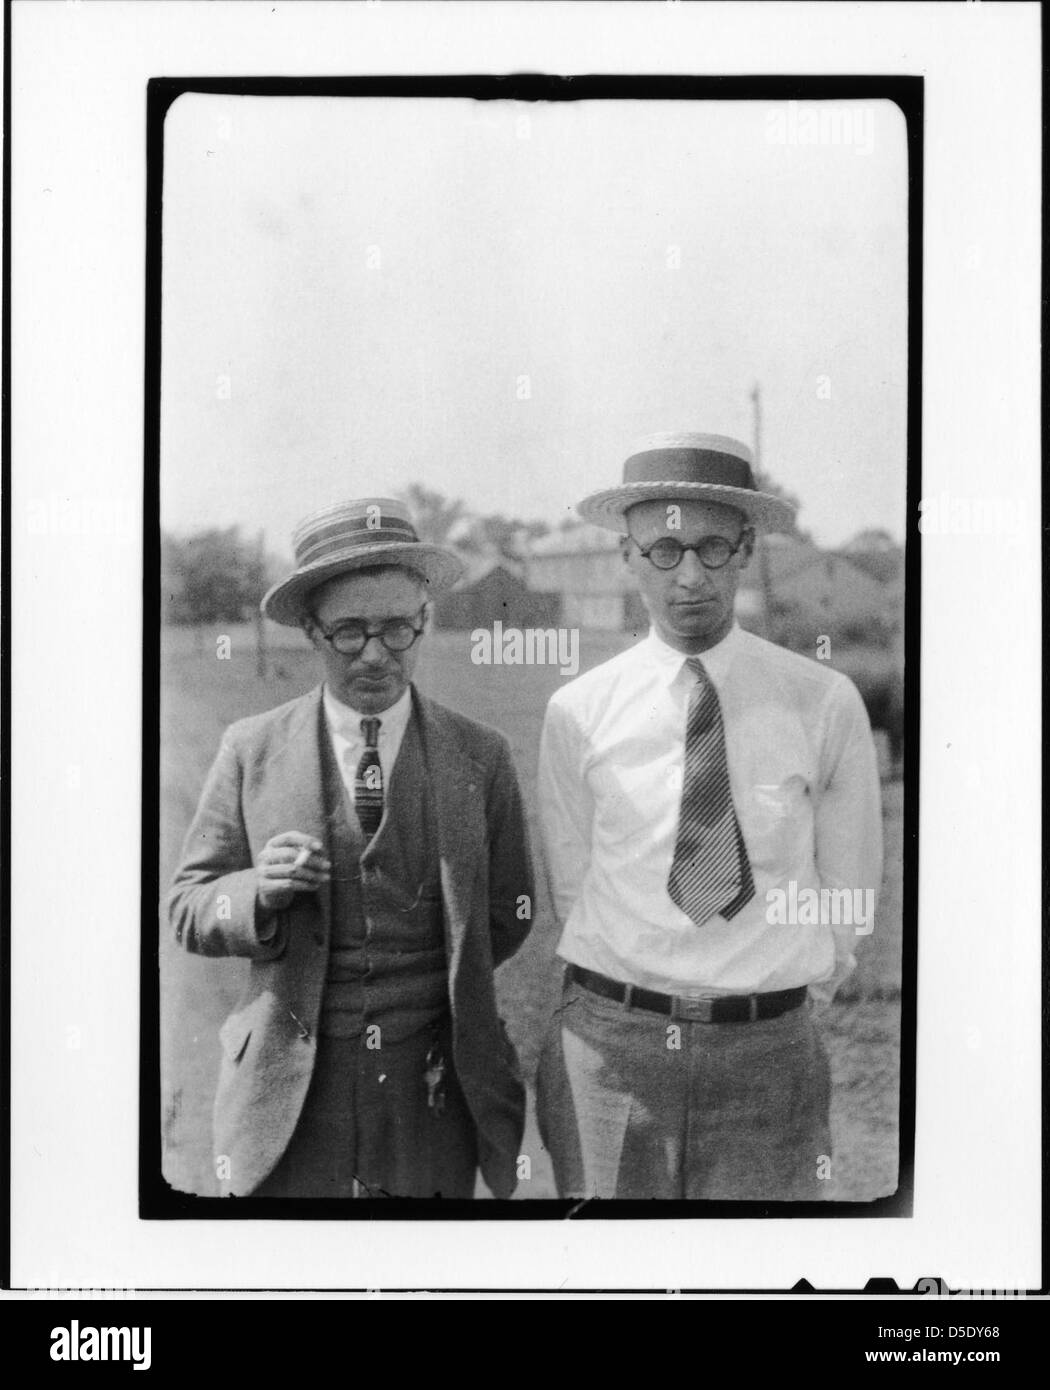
x: 201, y: 694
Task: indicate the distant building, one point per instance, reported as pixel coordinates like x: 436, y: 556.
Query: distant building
x: 816, y: 583
x: 493, y: 587
x: 585, y: 568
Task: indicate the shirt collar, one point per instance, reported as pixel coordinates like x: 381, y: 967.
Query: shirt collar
x: 346, y: 722
x: 669, y: 663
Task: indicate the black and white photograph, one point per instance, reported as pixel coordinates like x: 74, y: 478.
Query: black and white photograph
x: 533, y: 624
x: 522, y: 527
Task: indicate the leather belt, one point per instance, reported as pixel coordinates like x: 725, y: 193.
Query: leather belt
x: 722, y: 1008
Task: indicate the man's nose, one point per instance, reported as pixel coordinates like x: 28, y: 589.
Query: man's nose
x: 691, y: 573
x: 373, y: 652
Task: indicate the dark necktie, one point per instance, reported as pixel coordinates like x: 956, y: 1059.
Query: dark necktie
x: 710, y: 873
x: 368, y: 783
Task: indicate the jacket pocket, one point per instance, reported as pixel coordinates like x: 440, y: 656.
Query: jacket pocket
x: 275, y: 943
x: 236, y: 1032
x: 510, y: 1052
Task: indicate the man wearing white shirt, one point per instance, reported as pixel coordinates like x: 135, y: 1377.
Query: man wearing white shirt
x: 366, y: 849
x: 692, y: 792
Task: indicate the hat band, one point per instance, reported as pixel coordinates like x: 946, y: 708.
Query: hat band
x: 325, y: 544
x: 688, y: 466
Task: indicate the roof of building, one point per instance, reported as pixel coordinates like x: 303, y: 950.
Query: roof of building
x: 787, y: 556
x: 479, y: 567
x: 884, y: 565
x: 579, y: 540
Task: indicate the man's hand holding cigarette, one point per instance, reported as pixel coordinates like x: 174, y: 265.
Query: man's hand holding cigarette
x: 289, y: 863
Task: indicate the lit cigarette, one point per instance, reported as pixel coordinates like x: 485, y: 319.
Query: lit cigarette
x: 301, y: 857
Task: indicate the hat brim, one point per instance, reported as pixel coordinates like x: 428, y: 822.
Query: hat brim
x: 607, y: 508
x: 437, y: 567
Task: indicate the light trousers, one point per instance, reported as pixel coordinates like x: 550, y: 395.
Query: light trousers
x: 634, y: 1104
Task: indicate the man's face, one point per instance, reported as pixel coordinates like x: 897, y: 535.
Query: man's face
x: 690, y: 606
x: 375, y: 678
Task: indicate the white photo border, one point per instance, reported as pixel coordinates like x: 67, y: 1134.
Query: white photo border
x: 78, y: 347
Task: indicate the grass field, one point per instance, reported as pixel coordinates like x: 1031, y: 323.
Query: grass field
x: 200, y: 695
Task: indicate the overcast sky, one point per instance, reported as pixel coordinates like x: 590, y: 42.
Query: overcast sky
x: 355, y: 289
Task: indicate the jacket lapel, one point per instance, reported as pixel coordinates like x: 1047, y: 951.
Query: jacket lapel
x: 296, y: 777
x: 457, y: 789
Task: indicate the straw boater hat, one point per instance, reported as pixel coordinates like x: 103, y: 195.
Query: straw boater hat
x: 351, y: 536
x: 688, y: 467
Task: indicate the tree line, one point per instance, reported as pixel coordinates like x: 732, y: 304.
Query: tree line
x: 219, y: 574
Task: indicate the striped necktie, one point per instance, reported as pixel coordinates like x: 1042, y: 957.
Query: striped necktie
x: 368, y: 782
x: 710, y: 874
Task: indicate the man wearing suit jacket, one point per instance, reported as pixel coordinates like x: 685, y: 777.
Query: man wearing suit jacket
x: 366, y: 849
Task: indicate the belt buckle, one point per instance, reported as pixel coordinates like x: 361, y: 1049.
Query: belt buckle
x: 694, y: 1006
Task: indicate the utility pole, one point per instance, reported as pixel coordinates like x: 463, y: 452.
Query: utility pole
x: 260, y: 622
x: 761, y: 542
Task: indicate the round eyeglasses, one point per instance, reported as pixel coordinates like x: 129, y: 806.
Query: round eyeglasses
x: 351, y: 637
x: 713, y: 552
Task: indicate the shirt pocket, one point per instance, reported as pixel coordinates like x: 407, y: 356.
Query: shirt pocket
x: 777, y: 824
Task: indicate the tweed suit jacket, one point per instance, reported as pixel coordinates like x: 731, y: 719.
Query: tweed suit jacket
x: 267, y: 779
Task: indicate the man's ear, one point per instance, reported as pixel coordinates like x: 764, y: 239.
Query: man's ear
x: 625, y: 549
x: 428, y: 616
x: 747, y: 547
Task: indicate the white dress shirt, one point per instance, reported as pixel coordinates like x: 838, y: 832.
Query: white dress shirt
x: 804, y: 779
x: 348, y: 742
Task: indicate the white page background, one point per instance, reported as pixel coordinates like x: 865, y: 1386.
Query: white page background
x: 78, y: 255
